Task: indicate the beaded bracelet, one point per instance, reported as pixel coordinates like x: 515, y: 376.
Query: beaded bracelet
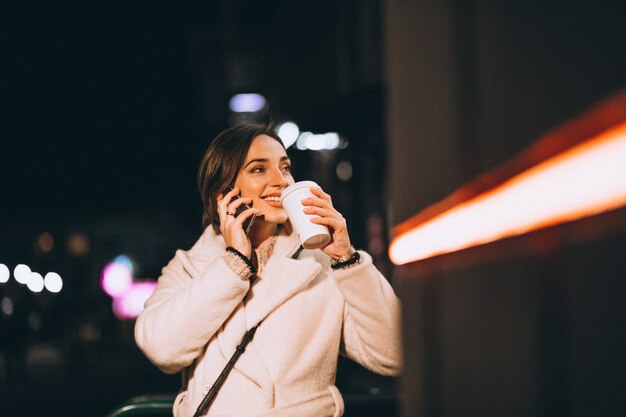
x: 345, y: 257
x: 243, y: 257
x: 239, y: 267
x: 354, y: 259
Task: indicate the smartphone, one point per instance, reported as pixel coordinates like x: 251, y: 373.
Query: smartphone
x: 247, y: 225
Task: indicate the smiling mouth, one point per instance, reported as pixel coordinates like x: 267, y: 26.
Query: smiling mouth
x: 272, y: 200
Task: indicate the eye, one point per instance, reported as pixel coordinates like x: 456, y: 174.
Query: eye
x: 287, y: 168
x: 257, y: 170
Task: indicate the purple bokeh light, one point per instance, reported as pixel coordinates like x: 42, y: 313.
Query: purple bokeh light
x: 130, y: 303
x: 242, y: 103
x: 116, y: 278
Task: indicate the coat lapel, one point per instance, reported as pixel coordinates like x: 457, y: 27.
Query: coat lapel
x: 231, y: 333
x: 280, y: 280
x: 249, y: 363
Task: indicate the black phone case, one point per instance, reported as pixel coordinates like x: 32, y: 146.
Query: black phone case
x: 248, y: 223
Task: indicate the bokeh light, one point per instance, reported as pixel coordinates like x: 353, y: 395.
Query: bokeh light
x: 331, y: 140
x: 35, y: 282
x: 22, y: 273
x: 5, y: 274
x: 247, y: 103
x: 44, y: 243
x: 115, y: 279
x: 315, y: 142
x: 6, y: 305
x: 288, y: 133
x: 130, y: 304
x: 78, y: 244
x: 53, y: 282
x: 344, y: 171
x: 127, y: 262
x: 89, y: 332
x: 318, y: 142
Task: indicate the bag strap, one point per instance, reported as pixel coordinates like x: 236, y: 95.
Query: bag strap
x: 247, y: 338
x: 208, y: 398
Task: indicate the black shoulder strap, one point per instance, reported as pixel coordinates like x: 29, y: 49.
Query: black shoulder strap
x: 208, y: 398
x: 297, y: 252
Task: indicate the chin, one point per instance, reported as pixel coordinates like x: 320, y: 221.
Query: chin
x: 277, y: 218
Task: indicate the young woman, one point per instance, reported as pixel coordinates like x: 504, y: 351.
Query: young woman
x: 309, y: 305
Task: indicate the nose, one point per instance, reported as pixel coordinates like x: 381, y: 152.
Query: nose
x: 278, y: 179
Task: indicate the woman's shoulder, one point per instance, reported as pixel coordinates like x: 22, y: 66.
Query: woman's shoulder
x: 195, y: 259
x: 208, y: 246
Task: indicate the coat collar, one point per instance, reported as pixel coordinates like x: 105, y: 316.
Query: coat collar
x: 280, y: 280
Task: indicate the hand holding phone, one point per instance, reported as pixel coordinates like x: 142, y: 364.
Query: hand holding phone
x: 247, y: 225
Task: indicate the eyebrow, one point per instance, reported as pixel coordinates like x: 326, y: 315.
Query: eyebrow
x: 265, y: 160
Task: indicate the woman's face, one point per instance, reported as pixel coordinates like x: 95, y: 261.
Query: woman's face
x: 266, y: 171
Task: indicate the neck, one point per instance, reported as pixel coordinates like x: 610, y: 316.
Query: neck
x: 260, y: 232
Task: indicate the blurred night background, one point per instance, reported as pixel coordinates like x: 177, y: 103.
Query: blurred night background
x: 107, y: 108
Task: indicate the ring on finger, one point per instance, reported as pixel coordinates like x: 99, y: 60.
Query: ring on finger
x: 228, y: 213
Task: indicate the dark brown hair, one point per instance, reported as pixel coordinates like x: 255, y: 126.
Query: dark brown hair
x: 221, y: 164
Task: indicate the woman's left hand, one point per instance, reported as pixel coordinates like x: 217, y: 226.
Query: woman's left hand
x: 321, y: 204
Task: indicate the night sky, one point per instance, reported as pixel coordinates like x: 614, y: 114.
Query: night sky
x: 108, y: 107
x: 101, y: 110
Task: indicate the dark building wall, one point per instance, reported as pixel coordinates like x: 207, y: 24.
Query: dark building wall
x: 470, y: 85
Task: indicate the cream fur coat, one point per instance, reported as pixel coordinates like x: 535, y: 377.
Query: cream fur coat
x: 310, y: 314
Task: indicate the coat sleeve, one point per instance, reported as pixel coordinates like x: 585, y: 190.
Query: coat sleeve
x: 371, y: 332
x: 187, y: 308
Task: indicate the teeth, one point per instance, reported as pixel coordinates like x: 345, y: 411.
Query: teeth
x: 272, y: 198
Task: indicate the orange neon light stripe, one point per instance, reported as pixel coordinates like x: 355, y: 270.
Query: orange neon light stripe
x: 584, y: 180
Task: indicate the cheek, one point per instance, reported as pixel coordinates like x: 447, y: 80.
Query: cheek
x: 249, y: 188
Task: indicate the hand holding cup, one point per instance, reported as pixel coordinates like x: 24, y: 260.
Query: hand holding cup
x: 315, y: 219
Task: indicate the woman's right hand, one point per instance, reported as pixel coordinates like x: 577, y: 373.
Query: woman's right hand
x: 231, y: 226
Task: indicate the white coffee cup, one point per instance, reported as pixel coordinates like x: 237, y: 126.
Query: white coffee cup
x: 311, y: 235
